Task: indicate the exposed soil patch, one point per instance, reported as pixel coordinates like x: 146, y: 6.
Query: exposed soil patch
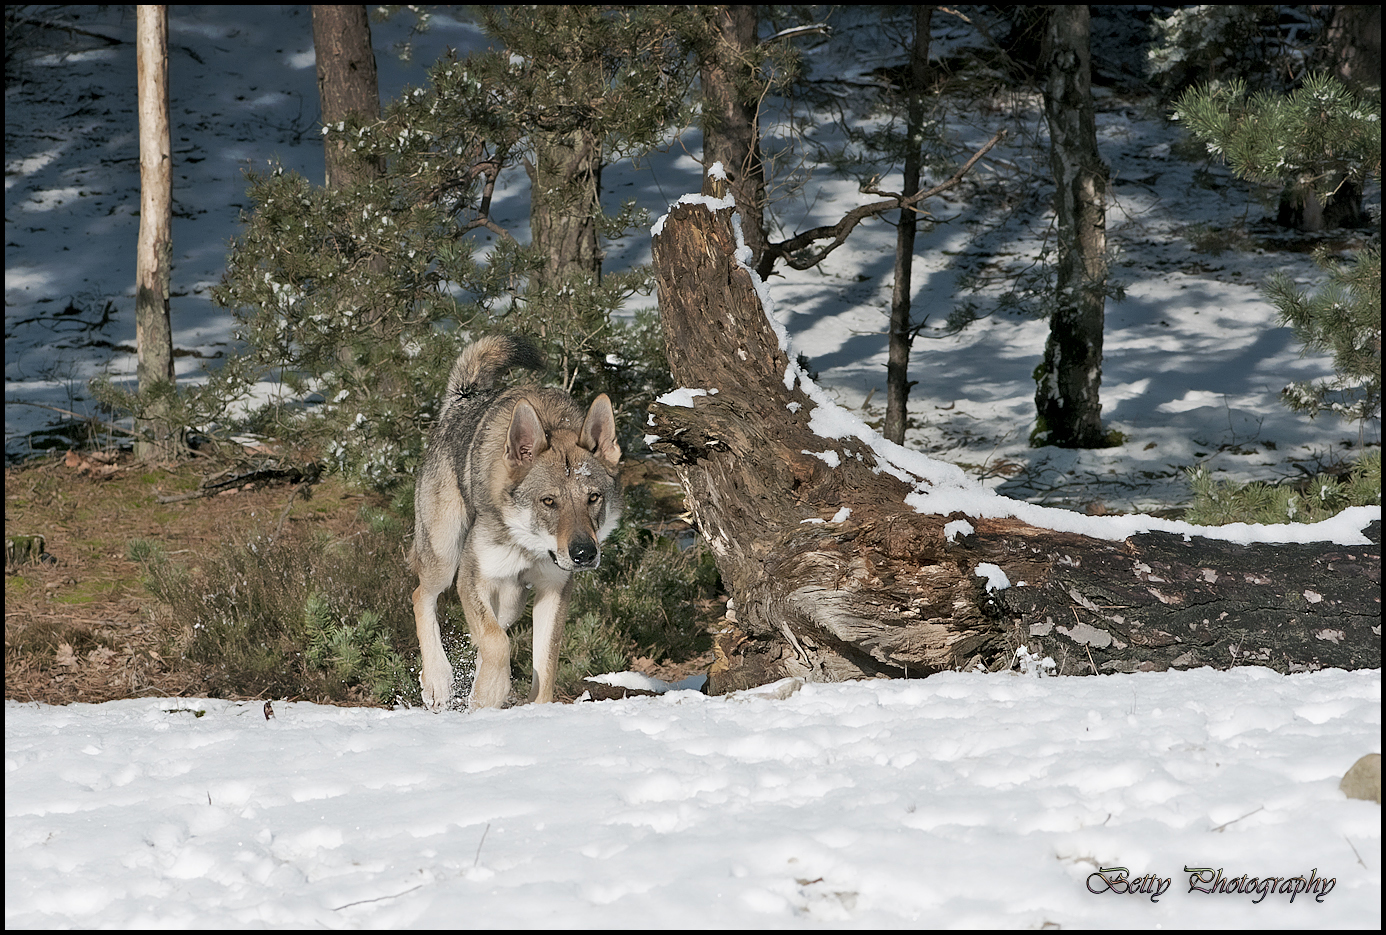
x: 87, y: 595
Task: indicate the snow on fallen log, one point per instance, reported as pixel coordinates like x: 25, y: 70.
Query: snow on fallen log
x: 844, y: 554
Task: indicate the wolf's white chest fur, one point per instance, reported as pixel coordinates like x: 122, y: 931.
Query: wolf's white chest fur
x: 508, y: 561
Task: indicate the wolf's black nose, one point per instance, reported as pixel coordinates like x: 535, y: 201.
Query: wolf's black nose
x: 583, y: 552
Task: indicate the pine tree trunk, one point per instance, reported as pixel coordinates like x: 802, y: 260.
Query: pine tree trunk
x: 901, y: 336
x: 1353, y: 41
x: 347, y: 84
x: 153, y: 330
x: 877, y: 589
x: 565, y: 205
x: 731, y: 132
x: 1067, y: 403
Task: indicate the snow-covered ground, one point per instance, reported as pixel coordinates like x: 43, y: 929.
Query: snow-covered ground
x: 960, y: 800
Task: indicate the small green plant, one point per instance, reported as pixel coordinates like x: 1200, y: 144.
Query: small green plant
x: 327, y: 618
x: 188, y: 407
x: 592, y: 645
x: 158, y: 573
x: 1320, y: 134
x: 382, y: 521
x: 1344, y: 319
x: 1216, y: 504
x: 357, y: 653
x: 647, y: 585
x: 145, y: 552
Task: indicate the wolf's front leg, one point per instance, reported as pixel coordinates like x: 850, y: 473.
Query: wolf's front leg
x: 490, y: 608
x: 436, y: 677
x: 439, y: 529
x: 491, y: 684
x: 550, y: 614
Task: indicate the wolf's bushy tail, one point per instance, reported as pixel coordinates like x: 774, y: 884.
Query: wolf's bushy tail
x: 485, y: 359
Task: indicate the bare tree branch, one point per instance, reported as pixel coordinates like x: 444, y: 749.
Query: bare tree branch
x: 815, y: 29
x: 839, y: 232
x: 491, y: 169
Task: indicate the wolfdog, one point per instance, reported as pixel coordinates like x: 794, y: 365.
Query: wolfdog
x: 516, y: 492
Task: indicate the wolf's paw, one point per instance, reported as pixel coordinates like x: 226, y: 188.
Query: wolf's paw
x: 437, y: 688
x: 490, y: 692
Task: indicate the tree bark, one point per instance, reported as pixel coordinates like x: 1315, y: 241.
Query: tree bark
x: 153, y: 254
x: 1067, y: 403
x: 347, y: 84
x: 731, y: 126
x: 901, y: 335
x: 565, y: 206
x: 877, y: 589
x: 1353, y: 45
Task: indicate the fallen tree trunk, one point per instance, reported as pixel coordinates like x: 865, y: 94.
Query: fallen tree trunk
x: 834, y: 576
x: 1158, y: 600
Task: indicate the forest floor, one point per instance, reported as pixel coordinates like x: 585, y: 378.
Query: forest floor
x: 80, y: 625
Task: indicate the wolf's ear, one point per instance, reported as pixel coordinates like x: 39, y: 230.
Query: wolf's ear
x: 599, y: 431
x: 526, y: 439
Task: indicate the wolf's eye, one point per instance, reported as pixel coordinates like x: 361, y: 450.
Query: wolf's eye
x: 549, y: 502
x: 593, y: 497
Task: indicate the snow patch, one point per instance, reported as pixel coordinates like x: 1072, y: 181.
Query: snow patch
x: 683, y: 396
x: 627, y: 813
x: 996, y: 578
x: 649, y: 683
x: 1031, y: 663
x: 958, y: 527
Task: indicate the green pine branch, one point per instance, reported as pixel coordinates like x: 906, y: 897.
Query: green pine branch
x: 1321, y: 134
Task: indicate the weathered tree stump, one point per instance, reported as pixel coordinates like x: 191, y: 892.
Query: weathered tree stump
x: 877, y: 589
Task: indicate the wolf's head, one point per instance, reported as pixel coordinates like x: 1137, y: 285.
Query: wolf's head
x: 564, y: 484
